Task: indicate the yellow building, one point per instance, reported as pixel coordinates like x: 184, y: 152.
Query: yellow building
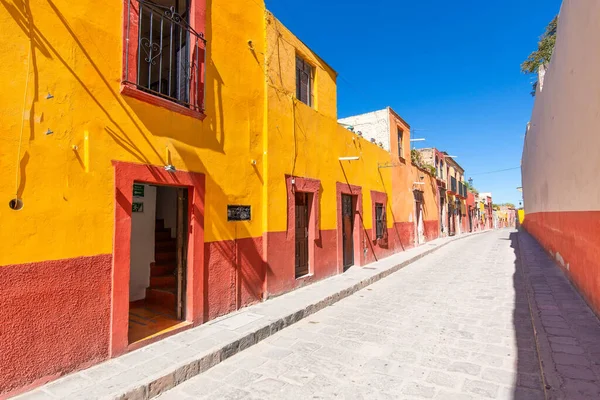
x: 177, y: 163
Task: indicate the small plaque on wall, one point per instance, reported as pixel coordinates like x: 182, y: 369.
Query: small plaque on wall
x: 138, y: 190
x: 238, y: 213
x: 137, y: 207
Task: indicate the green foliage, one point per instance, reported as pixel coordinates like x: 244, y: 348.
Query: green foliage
x: 417, y: 160
x: 509, y: 205
x: 471, y: 188
x: 543, y: 54
x: 415, y: 157
x: 431, y: 169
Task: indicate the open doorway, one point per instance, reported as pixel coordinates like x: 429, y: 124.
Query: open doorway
x: 159, y: 233
x: 419, y: 224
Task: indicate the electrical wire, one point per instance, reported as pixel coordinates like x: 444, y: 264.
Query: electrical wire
x: 493, y: 172
x: 18, y: 169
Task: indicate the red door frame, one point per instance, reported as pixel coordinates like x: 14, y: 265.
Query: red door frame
x: 311, y: 186
x: 358, y: 234
x: 125, y: 175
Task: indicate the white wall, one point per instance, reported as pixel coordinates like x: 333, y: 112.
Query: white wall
x: 166, y: 207
x: 560, y: 161
x: 142, y: 244
x: 374, y: 124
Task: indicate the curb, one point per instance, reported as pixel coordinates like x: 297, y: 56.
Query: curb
x: 188, y: 371
x: 172, y: 376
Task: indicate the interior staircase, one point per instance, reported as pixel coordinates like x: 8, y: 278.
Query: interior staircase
x: 163, y: 284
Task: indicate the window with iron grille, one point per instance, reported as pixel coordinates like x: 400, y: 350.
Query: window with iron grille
x: 400, y: 138
x: 379, y: 221
x: 164, y: 54
x: 304, y: 81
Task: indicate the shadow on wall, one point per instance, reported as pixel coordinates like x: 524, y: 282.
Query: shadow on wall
x: 528, y: 367
x: 21, y: 13
x: 248, y: 255
x: 235, y: 269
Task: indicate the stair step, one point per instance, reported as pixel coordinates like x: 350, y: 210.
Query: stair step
x: 161, y: 269
x: 165, y: 256
x: 162, y: 235
x: 162, y: 281
x: 165, y: 245
x: 163, y: 297
x: 159, y: 224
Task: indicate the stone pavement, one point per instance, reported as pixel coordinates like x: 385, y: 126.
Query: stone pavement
x: 453, y: 325
x: 149, y: 371
x: 567, y: 331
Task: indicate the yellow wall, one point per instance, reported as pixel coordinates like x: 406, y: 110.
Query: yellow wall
x: 76, y: 55
x: 307, y: 141
x: 74, y: 52
x: 521, y: 216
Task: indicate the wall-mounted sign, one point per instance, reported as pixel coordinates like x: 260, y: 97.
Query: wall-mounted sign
x: 238, y: 213
x: 138, y: 190
x: 137, y: 207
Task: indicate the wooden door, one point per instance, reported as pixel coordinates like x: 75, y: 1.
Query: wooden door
x: 347, y: 230
x: 301, y: 234
x: 419, y: 222
x: 182, y: 234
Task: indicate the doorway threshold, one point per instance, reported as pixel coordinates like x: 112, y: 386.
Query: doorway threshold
x: 149, y: 323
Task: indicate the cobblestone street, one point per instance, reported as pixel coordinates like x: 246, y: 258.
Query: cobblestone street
x: 453, y: 325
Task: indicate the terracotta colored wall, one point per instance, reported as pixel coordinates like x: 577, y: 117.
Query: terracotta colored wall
x: 560, y: 153
x: 54, y: 318
x: 235, y: 275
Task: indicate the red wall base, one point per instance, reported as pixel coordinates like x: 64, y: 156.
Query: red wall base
x: 54, y: 319
x: 281, y: 261
x: 57, y: 313
x: 432, y: 229
x: 575, y: 236
x: 228, y: 290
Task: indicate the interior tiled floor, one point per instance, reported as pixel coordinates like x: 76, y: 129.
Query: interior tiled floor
x: 147, y: 320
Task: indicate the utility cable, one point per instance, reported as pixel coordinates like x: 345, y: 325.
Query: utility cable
x: 22, y: 125
x: 493, y: 172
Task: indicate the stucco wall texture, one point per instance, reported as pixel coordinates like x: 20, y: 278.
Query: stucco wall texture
x: 560, y: 155
x: 65, y: 280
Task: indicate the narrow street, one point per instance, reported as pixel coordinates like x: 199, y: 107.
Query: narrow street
x: 453, y: 325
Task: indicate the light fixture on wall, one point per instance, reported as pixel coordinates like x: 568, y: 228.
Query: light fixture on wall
x: 349, y: 158
x: 170, y: 168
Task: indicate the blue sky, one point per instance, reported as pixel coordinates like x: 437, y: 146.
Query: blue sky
x: 449, y: 68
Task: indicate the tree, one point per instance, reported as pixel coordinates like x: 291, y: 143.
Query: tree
x: 543, y: 54
x: 471, y: 188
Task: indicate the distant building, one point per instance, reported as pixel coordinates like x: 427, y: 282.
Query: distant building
x: 453, y: 190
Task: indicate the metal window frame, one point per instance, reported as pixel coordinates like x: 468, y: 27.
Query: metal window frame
x: 150, y: 50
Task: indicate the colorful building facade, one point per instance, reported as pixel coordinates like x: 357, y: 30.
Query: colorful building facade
x: 176, y: 162
x: 452, y: 189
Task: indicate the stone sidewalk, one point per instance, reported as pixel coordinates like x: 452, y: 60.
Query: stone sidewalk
x: 567, y: 331
x: 454, y: 325
x: 149, y: 371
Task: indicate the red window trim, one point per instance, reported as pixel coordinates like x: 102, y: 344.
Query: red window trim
x: 381, y: 198
x: 130, y: 57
